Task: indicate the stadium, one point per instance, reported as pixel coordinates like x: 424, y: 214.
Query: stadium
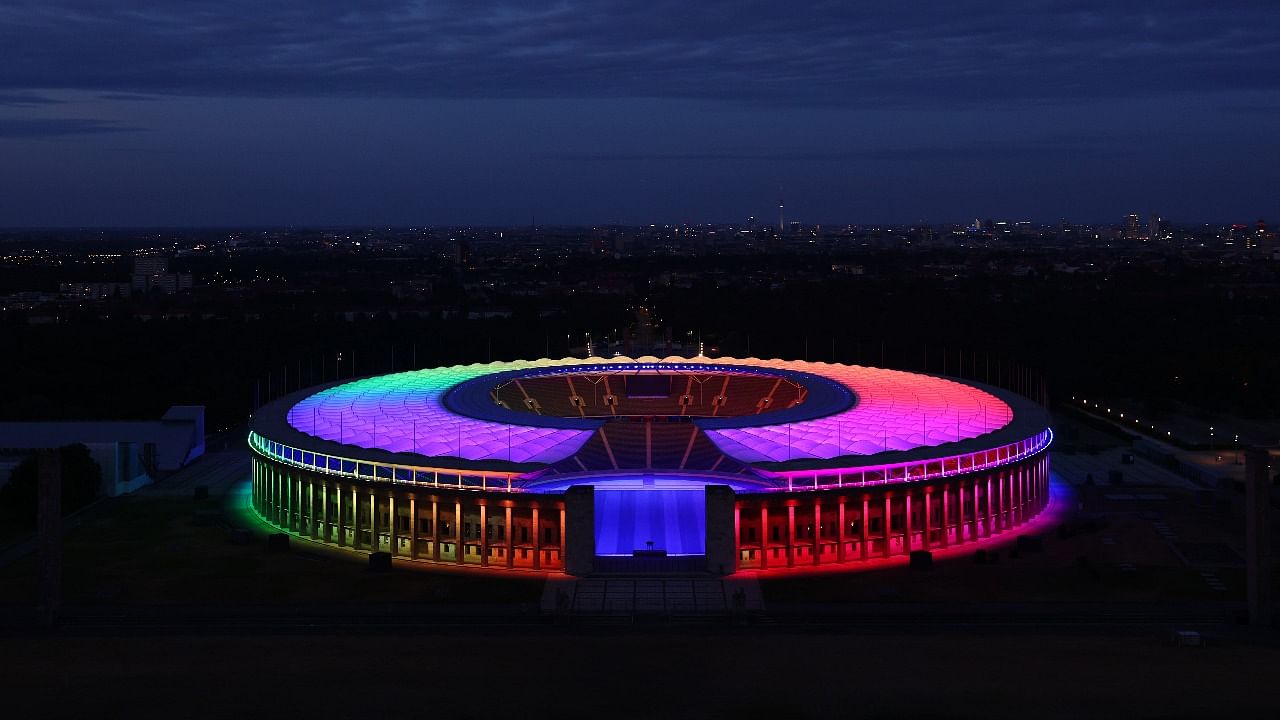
x: 648, y: 465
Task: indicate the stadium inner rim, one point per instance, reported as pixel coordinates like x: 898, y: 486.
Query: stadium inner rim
x: 648, y: 465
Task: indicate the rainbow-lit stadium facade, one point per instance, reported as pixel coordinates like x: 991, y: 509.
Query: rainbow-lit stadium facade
x: 651, y: 465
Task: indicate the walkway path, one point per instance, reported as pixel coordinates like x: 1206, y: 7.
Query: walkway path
x: 651, y: 595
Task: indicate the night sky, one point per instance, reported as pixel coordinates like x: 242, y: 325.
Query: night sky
x: 314, y: 112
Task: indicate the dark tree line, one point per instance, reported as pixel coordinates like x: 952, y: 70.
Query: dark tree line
x: 81, y: 483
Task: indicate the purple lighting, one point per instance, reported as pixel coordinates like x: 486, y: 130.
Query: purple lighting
x: 403, y: 413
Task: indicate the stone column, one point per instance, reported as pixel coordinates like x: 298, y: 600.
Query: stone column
x: 277, y: 514
x: 509, y: 530
x: 991, y: 528
x: 1013, y: 520
x: 840, y: 532
x: 326, y: 517
x: 1006, y: 499
x: 1033, y: 481
x: 1019, y: 496
x: 393, y: 541
x: 817, y: 531
x: 291, y: 502
x: 355, y: 517
x: 537, y: 537
x: 864, y: 525
x: 435, y: 529
x: 737, y: 536
x: 484, y: 534
x: 888, y: 523
x: 579, y: 537
x: 1000, y: 501
x: 562, y: 534
x: 721, y: 541
x: 946, y: 515
x: 1033, y: 488
x: 375, y: 528
x: 927, y: 542
x: 1033, y: 494
x: 339, y: 523
x: 413, y: 527
x: 1042, y: 477
x: 975, y: 527
x: 764, y: 534
x: 313, y: 523
x: 459, y: 547
x: 960, y: 513
x: 906, y: 523
x: 791, y: 535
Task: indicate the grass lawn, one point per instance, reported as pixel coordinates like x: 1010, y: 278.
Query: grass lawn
x: 148, y: 549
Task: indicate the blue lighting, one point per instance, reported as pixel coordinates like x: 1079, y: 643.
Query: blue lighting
x: 646, y: 482
x: 673, y: 520
x: 634, y: 509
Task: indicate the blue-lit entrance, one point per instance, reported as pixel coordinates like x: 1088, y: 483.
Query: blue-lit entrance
x: 650, y: 515
x: 668, y: 521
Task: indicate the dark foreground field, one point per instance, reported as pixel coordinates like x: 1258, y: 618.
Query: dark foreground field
x: 608, y: 673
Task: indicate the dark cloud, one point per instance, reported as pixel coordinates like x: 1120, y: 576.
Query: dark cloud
x: 1272, y: 109
x: 26, y: 100
x: 1041, y: 150
x: 920, y: 53
x: 128, y: 97
x: 43, y: 128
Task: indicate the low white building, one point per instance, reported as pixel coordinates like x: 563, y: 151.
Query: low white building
x: 131, y: 453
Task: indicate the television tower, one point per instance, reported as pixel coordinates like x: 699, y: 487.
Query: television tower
x: 781, y: 225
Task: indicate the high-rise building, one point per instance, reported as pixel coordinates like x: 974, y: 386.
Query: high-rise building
x: 461, y: 252
x: 1253, y: 239
x: 151, y: 273
x: 150, y: 265
x: 1131, y: 225
x: 1154, y: 226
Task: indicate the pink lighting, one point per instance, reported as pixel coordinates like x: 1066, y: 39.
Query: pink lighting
x: 895, y: 411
